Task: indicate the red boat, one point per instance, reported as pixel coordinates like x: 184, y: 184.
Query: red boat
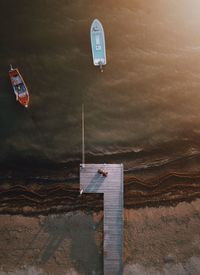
x: 19, y: 87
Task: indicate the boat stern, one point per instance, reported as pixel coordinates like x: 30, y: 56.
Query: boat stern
x: 24, y: 101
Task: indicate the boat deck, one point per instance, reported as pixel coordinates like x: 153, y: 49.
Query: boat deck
x: 112, y: 188
x: 97, y: 37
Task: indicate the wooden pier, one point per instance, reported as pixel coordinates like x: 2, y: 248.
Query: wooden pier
x: 112, y: 188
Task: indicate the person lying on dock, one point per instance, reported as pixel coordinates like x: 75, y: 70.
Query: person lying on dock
x: 103, y: 172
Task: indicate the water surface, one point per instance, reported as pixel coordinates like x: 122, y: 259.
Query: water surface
x: 148, y: 95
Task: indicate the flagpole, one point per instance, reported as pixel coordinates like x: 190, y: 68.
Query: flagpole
x: 83, y: 136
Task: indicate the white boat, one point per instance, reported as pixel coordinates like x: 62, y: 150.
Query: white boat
x: 98, y: 44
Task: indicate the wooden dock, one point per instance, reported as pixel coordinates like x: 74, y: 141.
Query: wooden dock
x: 112, y: 188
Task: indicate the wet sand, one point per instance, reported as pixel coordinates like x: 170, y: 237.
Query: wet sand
x: 164, y: 240
x: 55, y: 189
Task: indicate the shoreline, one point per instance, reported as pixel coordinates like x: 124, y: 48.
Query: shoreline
x: 151, y: 178
x: 57, y: 191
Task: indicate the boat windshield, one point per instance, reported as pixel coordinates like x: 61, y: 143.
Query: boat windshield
x: 20, y: 88
x: 16, y: 80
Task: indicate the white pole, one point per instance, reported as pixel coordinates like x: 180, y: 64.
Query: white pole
x: 83, y: 137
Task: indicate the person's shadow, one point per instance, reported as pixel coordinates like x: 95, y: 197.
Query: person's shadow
x: 95, y: 183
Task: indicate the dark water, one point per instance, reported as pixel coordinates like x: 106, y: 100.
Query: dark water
x: 148, y: 95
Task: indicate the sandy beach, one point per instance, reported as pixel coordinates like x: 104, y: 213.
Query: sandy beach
x: 162, y: 240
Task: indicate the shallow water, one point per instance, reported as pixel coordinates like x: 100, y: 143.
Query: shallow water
x: 147, y: 96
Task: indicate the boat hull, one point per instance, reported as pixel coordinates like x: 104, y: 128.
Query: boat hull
x: 98, y: 43
x: 19, y: 87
